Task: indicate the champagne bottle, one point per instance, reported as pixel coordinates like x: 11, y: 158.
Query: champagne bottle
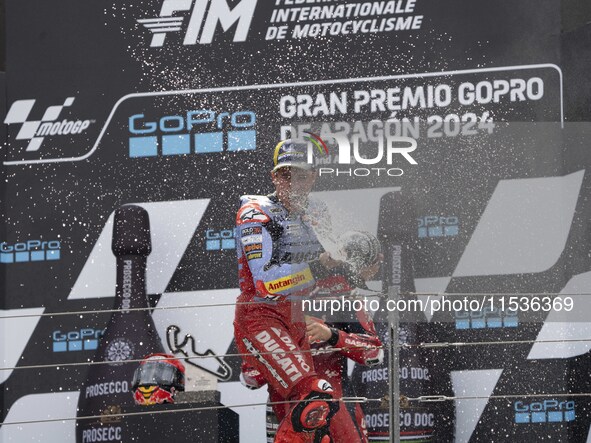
x: 397, y: 231
x: 130, y: 335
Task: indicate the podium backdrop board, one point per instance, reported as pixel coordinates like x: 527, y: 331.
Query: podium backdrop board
x: 176, y: 106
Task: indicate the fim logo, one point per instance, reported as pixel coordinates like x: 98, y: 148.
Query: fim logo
x: 83, y: 340
x: 36, y: 130
x: 202, y: 22
x: 548, y: 411
x: 486, y: 318
x: 201, y: 131
x: 434, y: 226
x: 219, y: 240
x: 32, y: 250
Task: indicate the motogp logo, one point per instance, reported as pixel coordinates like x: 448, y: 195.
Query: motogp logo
x: 36, y: 130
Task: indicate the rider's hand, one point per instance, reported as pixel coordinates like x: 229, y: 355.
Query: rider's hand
x: 328, y: 262
x: 317, y: 330
x: 369, y: 271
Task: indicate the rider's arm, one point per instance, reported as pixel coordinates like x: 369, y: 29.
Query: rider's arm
x: 274, y: 276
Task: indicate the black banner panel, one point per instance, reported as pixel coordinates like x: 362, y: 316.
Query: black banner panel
x: 456, y: 132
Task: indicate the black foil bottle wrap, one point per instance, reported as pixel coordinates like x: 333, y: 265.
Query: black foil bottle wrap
x: 397, y: 230
x: 130, y: 335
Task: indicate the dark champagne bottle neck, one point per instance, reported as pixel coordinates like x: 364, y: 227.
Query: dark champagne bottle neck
x: 130, y: 291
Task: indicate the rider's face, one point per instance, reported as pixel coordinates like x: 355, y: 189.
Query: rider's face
x: 293, y: 184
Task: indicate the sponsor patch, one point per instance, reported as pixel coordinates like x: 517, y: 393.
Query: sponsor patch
x: 262, y: 359
x: 252, y: 239
x: 254, y: 255
x: 324, y: 386
x: 289, y: 282
x: 252, y: 213
x: 252, y: 230
x: 253, y: 247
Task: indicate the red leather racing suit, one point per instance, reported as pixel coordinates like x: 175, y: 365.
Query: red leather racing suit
x: 356, y: 340
x: 277, y: 264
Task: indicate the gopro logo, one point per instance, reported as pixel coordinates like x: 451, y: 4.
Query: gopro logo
x: 29, y: 251
x: 219, y: 240
x: 200, y: 131
x: 546, y: 411
x: 86, y: 339
x: 436, y: 226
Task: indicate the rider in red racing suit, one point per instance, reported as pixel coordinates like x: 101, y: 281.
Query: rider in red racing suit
x: 280, y: 261
x: 332, y: 343
x: 356, y: 340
